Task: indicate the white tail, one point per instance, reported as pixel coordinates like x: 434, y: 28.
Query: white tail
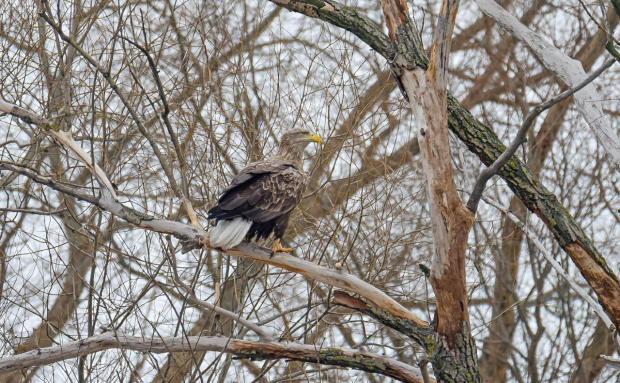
x: 229, y: 233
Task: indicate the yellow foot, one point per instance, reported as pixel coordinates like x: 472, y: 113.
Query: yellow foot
x: 277, y: 248
x: 204, y: 242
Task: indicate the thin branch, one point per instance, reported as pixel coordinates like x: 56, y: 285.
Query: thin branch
x: 198, y: 303
x: 424, y: 370
x: 32, y: 211
x: 490, y: 171
x: 343, y: 357
x: 192, y: 298
x: 107, y: 76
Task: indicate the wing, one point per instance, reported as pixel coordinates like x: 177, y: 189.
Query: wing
x: 261, y: 193
x: 255, y: 169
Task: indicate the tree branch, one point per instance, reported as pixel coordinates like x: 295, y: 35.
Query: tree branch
x: 569, y: 70
x: 358, y: 360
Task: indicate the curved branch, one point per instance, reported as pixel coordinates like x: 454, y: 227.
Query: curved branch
x: 491, y: 170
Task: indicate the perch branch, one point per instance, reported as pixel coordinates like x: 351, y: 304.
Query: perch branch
x: 245, y: 250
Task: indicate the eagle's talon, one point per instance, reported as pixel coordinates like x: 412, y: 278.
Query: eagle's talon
x: 277, y: 248
x: 204, y: 242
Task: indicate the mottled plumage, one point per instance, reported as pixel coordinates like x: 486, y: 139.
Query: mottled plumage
x: 260, y: 199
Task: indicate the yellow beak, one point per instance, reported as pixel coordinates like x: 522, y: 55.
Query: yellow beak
x: 314, y: 138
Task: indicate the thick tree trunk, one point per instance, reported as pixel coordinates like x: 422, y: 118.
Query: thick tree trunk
x: 453, y: 356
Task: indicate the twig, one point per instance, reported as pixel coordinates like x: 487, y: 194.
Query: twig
x: 191, y: 213
x: 197, y: 303
x: 487, y: 173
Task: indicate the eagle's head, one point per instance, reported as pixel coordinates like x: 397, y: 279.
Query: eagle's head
x: 294, y: 141
x: 299, y: 137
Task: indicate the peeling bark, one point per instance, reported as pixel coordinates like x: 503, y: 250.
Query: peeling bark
x: 454, y: 355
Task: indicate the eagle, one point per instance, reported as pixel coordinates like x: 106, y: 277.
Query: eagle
x: 259, y: 201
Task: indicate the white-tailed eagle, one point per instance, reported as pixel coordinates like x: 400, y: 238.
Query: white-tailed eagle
x: 258, y: 202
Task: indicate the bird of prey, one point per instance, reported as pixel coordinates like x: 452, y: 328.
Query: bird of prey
x: 258, y: 202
